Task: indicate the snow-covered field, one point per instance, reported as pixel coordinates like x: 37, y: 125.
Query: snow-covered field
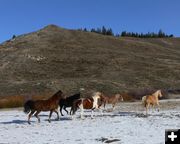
x: 125, y: 125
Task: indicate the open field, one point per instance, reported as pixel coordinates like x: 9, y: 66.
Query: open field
x: 125, y: 125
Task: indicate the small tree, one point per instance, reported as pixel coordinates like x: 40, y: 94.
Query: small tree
x: 123, y: 33
x: 161, y: 34
x: 14, y: 36
x: 104, y: 31
x: 109, y: 32
x: 85, y: 30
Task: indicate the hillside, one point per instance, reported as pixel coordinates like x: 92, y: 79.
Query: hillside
x: 55, y: 58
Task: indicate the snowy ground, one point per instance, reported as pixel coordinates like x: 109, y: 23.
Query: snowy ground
x: 125, y: 125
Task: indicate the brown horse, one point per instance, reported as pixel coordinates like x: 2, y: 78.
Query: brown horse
x: 92, y: 103
x: 36, y: 106
x: 151, y: 100
x: 112, y: 100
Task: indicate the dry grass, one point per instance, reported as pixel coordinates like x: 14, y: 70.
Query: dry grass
x: 18, y: 101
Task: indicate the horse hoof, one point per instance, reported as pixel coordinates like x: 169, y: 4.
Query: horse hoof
x: 29, y: 123
x: 49, y: 121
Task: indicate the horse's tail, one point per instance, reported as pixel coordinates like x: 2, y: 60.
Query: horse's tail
x: 28, y: 106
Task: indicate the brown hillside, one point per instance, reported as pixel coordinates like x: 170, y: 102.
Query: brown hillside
x: 55, y: 58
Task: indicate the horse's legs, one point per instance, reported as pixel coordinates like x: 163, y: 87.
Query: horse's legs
x: 29, y: 116
x: 113, y: 105
x: 50, y: 115
x: 152, y: 107
x: 82, y: 110
x: 57, y: 114
x: 92, y: 112
x: 36, y: 115
x: 71, y: 110
x: 101, y: 111
x: 147, y: 106
x: 65, y: 109
x: 104, y: 104
x: 158, y: 108
x: 61, y: 110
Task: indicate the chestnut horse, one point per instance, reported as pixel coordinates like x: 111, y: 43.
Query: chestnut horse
x: 112, y: 100
x: 151, y: 100
x: 92, y: 103
x: 36, y: 106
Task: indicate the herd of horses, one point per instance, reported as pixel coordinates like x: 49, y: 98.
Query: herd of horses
x: 75, y: 102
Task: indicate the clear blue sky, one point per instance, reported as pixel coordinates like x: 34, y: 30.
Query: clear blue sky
x: 23, y: 16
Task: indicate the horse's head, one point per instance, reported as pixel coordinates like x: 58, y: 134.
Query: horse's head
x: 100, y: 97
x: 159, y: 93
x: 119, y: 97
x: 59, y: 95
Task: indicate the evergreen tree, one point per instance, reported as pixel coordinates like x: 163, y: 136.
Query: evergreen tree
x: 99, y: 31
x: 161, y: 34
x: 85, y: 30
x: 14, y: 36
x: 104, y: 30
x: 123, y: 34
x: 93, y: 30
x: 109, y: 32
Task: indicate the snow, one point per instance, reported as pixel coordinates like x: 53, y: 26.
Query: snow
x: 129, y: 127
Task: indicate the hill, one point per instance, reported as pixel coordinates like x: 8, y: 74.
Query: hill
x: 56, y: 58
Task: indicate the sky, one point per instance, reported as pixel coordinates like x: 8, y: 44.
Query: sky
x: 23, y: 16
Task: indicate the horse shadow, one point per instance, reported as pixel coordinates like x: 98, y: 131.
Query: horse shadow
x: 60, y: 119
x: 25, y: 121
x: 119, y: 114
x: 14, y: 122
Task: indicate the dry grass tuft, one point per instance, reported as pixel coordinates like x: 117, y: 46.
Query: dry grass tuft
x: 18, y: 101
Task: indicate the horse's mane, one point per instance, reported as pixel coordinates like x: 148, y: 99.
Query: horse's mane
x: 97, y: 94
x: 57, y: 94
x: 154, y: 94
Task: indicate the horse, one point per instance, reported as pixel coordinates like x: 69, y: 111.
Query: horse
x: 112, y: 100
x: 36, y: 106
x: 92, y: 103
x: 151, y: 100
x: 68, y: 102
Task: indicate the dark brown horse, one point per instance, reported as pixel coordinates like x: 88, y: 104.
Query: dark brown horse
x: 36, y: 106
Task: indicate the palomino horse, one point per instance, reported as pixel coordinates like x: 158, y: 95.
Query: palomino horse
x: 68, y: 102
x: 112, y: 100
x: 37, y: 106
x: 151, y: 100
x: 92, y: 103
